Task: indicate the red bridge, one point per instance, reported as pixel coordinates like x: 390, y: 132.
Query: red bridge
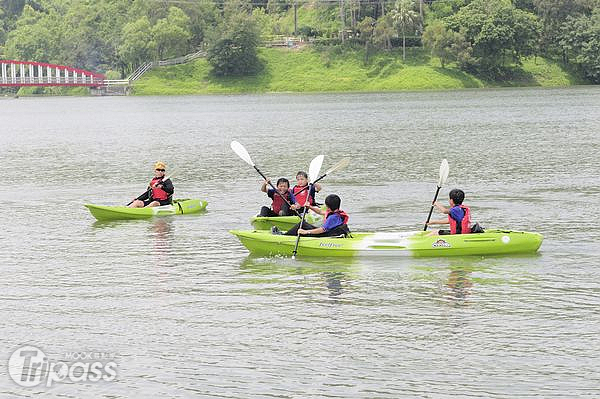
x: 27, y: 73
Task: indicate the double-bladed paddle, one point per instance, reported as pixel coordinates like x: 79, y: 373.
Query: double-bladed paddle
x: 444, y: 170
x: 241, y: 152
x: 313, y: 172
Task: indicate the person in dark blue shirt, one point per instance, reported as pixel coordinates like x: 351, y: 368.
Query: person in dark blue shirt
x: 459, y: 215
x: 335, y: 224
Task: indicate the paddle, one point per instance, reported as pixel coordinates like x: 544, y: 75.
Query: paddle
x: 149, y: 188
x: 313, y: 172
x: 444, y: 170
x: 242, y: 153
x: 340, y: 165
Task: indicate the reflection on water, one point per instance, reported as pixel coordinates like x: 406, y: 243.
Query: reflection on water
x: 334, y: 275
x: 161, y: 232
x: 459, y: 283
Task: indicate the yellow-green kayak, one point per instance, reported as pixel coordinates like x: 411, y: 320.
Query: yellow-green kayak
x: 492, y: 242
x: 178, y: 207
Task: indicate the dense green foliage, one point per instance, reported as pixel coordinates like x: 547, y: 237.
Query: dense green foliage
x: 487, y: 38
x: 234, y: 52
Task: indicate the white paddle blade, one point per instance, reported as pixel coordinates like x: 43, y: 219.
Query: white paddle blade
x: 315, y: 167
x: 340, y: 165
x: 241, y: 152
x: 444, y: 170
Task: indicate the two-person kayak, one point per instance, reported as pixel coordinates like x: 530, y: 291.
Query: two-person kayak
x: 178, y: 207
x: 417, y: 244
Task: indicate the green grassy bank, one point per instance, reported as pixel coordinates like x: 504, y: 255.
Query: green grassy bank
x: 311, y: 70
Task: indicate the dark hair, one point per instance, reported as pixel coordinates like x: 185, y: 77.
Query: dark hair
x: 283, y: 180
x: 333, y: 202
x: 458, y: 196
x: 301, y: 173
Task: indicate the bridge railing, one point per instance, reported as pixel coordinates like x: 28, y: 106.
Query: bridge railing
x: 28, y: 73
x: 173, y: 61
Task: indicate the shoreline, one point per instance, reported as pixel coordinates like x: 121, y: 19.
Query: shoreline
x: 312, y: 71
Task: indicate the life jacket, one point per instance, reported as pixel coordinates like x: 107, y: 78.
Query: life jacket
x: 278, y: 201
x: 301, y: 198
x: 464, y: 227
x: 342, y: 229
x: 342, y: 214
x: 158, y: 193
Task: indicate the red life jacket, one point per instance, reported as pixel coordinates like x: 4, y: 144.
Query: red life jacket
x: 301, y: 198
x: 342, y: 214
x: 158, y: 193
x: 278, y: 201
x: 465, y: 225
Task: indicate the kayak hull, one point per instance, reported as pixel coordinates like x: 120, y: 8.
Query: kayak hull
x: 179, y: 207
x: 415, y: 244
x: 283, y: 223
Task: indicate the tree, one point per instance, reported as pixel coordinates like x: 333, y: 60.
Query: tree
x: 35, y: 38
x: 580, y: 39
x: 497, y: 32
x: 404, y: 17
x: 171, y: 35
x: 553, y: 13
x: 446, y: 44
x: 235, y: 52
x: 384, y: 31
x: 136, y: 45
x: 366, y: 28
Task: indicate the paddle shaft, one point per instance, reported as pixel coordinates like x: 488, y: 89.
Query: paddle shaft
x: 432, y: 206
x: 273, y: 187
x: 298, y: 237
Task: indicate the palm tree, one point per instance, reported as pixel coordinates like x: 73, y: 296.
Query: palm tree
x: 404, y: 16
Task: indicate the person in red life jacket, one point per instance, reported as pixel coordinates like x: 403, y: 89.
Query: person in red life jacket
x: 335, y: 224
x: 301, y: 191
x: 279, y: 207
x: 159, y: 190
x: 459, y: 216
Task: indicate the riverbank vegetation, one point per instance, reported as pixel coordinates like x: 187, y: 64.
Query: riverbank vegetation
x: 332, y: 70
x: 334, y: 45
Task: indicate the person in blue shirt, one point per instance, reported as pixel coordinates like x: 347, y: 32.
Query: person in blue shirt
x: 335, y: 224
x: 459, y: 215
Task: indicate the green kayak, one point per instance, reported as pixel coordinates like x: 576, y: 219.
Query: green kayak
x: 284, y: 223
x: 179, y: 206
x: 418, y: 244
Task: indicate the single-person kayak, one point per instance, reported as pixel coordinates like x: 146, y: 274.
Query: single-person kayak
x: 284, y: 223
x: 178, y: 207
x: 418, y: 244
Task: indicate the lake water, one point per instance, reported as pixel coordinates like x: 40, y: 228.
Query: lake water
x: 183, y: 310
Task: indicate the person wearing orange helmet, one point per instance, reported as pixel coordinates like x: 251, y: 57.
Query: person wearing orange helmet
x: 160, y: 191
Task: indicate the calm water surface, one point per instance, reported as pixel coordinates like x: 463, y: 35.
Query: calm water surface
x: 186, y: 311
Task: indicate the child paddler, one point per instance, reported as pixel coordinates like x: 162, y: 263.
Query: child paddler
x: 159, y: 191
x: 335, y: 223
x: 302, y: 192
x: 279, y: 207
x: 459, y: 216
